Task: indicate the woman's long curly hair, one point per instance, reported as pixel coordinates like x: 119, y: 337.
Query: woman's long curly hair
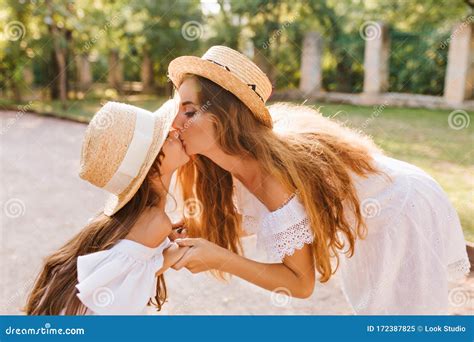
x: 54, y: 291
x: 306, y: 152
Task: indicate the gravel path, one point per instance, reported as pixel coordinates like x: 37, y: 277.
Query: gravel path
x: 44, y: 203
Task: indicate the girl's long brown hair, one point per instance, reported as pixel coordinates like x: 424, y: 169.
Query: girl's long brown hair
x: 55, y: 288
x: 311, y: 154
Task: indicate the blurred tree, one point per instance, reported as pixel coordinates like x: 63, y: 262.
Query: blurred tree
x: 15, y: 49
x: 225, y: 26
x: 268, y: 23
x: 70, y: 45
x: 162, y: 31
x: 56, y: 15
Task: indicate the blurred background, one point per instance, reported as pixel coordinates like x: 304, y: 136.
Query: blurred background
x: 401, y: 71
x: 61, y: 51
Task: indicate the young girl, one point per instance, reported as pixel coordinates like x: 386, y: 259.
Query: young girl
x: 316, y: 194
x: 115, y: 264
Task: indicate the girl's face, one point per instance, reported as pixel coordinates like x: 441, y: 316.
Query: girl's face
x: 174, y: 154
x: 194, y: 123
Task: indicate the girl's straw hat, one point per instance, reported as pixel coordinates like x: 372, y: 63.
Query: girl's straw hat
x: 120, y: 145
x: 232, y: 71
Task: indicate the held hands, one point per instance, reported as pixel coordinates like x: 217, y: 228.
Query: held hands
x: 195, y: 254
x: 172, y: 255
x: 201, y: 255
x: 179, y: 231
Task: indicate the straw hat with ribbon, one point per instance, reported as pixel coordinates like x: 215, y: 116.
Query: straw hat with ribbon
x: 231, y: 70
x: 120, y: 145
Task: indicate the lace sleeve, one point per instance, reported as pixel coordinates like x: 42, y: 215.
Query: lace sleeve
x: 285, y: 230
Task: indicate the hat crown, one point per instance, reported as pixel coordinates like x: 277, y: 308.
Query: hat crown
x: 106, y: 142
x: 232, y: 71
x: 242, y: 67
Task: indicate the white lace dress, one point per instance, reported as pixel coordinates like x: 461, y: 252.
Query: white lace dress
x: 414, y: 243
x: 120, y: 280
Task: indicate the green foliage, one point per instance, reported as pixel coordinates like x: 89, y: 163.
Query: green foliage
x: 418, y: 62
x: 275, y: 29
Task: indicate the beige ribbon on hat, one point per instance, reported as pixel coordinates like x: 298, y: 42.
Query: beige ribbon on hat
x: 136, y: 154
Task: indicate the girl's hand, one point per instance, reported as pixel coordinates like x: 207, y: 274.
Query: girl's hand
x: 179, y: 231
x: 201, y: 256
x: 172, y: 254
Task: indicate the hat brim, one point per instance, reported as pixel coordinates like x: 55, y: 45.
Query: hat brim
x: 183, y: 65
x: 164, y: 118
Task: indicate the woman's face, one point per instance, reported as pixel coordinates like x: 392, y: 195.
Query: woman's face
x: 174, y: 154
x: 196, y: 129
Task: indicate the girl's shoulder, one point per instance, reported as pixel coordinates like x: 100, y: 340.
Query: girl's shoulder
x: 119, y: 280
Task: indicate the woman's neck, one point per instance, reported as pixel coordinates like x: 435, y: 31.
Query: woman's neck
x: 265, y: 187
x: 245, y: 168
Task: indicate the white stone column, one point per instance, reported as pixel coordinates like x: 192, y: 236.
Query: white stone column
x: 377, y: 52
x: 311, y: 71
x: 115, y: 75
x: 84, y: 72
x: 458, y: 85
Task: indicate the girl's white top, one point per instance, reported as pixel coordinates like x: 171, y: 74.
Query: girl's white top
x: 119, y: 280
x: 413, y: 246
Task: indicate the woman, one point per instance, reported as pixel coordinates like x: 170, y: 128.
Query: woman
x: 319, y: 196
x: 111, y: 266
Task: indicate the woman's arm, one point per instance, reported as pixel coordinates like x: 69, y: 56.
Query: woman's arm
x: 296, y: 273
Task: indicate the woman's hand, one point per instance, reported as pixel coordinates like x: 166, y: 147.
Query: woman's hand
x: 296, y: 273
x: 201, y: 256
